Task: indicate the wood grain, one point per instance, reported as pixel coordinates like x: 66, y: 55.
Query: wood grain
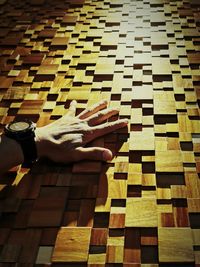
x: 72, y: 245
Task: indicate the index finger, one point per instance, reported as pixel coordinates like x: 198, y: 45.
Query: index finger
x: 90, y: 111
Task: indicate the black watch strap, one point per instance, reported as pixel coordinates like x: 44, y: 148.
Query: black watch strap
x: 25, y: 138
x: 29, y: 150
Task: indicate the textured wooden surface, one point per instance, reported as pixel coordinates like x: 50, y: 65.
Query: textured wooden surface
x: 143, y: 208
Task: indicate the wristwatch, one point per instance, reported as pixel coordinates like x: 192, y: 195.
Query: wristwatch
x: 24, y: 133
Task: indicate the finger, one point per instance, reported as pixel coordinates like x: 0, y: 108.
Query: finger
x: 72, y: 109
x: 90, y: 111
x: 101, y: 116
x: 94, y: 153
x: 106, y: 128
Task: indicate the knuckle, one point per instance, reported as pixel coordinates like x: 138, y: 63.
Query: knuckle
x: 85, y: 126
x: 89, y: 131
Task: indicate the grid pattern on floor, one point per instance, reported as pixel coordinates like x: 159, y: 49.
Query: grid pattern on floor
x: 143, y: 57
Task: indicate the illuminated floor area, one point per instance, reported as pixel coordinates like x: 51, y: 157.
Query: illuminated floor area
x: 143, y: 208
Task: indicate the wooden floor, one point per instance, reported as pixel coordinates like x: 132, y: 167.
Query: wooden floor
x: 143, y: 208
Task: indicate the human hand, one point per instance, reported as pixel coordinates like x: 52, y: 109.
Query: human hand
x: 65, y: 140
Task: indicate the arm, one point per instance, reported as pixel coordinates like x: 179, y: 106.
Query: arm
x: 10, y: 153
x: 66, y: 140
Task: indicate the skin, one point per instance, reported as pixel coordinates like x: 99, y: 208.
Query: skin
x: 65, y: 139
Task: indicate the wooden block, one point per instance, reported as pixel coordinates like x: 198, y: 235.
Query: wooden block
x: 192, y: 185
x: 117, y: 189
x: 6, y: 82
x: 13, y: 73
x: 141, y: 213
x: 115, y: 254
x: 181, y: 217
x: 115, y: 238
x: 48, y: 208
x: 79, y: 179
x: 197, y: 258
x: 173, y: 144
x: 47, y: 69
x: 3, y: 2
x: 4, y: 232
x: 37, y: 2
x: 22, y: 217
x: 148, y: 180
x: 149, y: 237
x: 121, y: 167
x: 196, y: 237
x: 178, y: 191
x: 169, y: 161
x: 97, y: 260
x: 161, y: 66
x: 104, y: 66
x: 175, y: 245
x: 48, y: 237
x: 70, y: 218
x: 193, y: 204
x: 159, y: 39
x: 103, y: 204
x: 164, y: 108
x: 44, y: 255
x: 143, y: 93
x: 166, y: 220
x: 117, y: 220
x: 141, y: 141
x: 69, y: 20
x: 47, y: 33
x: 28, y: 188
x: 99, y: 236
x: 10, y: 253
x: 33, y: 59
x: 11, y: 40
x: 132, y: 252
x: 111, y: 188
x: 72, y: 244
x: 87, y: 167
x: 59, y: 42
x: 86, y: 212
x: 30, y: 247
x: 134, y: 178
x: 11, y: 205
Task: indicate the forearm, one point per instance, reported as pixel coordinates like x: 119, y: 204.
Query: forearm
x: 10, y: 153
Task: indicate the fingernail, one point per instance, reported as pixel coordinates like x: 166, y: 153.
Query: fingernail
x: 107, y: 155
x: 103, y: 101
x: 73, y: 102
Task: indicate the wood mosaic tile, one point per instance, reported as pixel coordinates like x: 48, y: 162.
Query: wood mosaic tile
x: 141, y: 213
x: 141, y: 209
x: 44, y: 255
x: 175, y: 245
x: 59, y: 41
x: 72, y: 245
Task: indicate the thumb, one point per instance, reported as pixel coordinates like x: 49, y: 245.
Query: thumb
x: 94, y: 153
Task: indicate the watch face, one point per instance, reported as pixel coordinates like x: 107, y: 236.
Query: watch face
x: 19, y: 126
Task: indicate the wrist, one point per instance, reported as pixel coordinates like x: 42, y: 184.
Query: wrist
x: 15, y: 147
x: 11, y: 153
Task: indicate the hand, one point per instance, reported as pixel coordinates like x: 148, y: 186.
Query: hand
x: 65, y: 140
